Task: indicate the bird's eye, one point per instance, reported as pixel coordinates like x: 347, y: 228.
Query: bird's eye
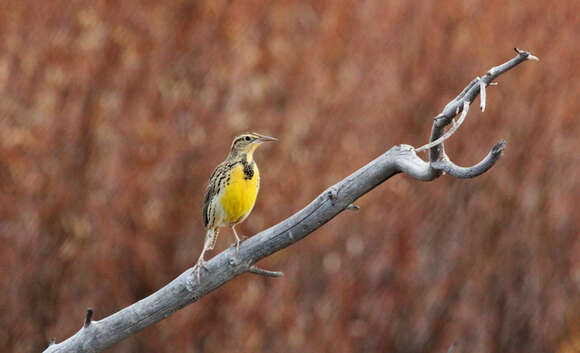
x: 247, y: 138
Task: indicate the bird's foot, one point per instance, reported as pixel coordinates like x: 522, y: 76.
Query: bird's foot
x: 237, y: 243
x: 197, y: 269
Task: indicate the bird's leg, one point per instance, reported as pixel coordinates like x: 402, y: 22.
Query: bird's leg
x: 237, y: 239
x: 201, y: 262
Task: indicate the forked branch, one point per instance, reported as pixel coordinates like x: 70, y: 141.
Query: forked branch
x: 95, y: 336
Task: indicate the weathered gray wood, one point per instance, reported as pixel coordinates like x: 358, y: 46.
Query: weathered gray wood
x: 468, y: 95
x: 95, y: 336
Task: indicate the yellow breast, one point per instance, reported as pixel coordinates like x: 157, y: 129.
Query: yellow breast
x: 239, y: 195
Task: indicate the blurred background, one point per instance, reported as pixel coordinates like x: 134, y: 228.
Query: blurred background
x: 113, y: 115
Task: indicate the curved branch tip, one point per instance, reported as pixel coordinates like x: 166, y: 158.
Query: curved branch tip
x: 499, y: 147
x: 447, y: 166
x: 527, y: 54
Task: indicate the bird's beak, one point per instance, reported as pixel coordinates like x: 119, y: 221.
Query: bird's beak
x: 262, y: 138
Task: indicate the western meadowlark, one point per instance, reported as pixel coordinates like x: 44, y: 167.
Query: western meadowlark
x: 231, y: 191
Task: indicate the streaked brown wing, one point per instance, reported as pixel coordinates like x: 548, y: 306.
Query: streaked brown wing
x: 209, y: 193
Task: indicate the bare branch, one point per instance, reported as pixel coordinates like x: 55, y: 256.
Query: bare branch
x: 88, y: 318
x: 449, y: 132
x: 527, y: 54
x: 470, y: 92
x: 95, y: 336
x: 450, y: 168
x: 266, y: 273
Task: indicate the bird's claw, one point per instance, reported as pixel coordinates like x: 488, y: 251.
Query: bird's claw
x: 236, y: 244
x: 197, y: 269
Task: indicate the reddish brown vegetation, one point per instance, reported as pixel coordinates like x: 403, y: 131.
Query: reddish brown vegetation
x: 112, y: 117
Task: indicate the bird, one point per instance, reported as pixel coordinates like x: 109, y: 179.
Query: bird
x: 231, y: 191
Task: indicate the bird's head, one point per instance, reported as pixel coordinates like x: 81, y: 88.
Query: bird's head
x: 247, y: 143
